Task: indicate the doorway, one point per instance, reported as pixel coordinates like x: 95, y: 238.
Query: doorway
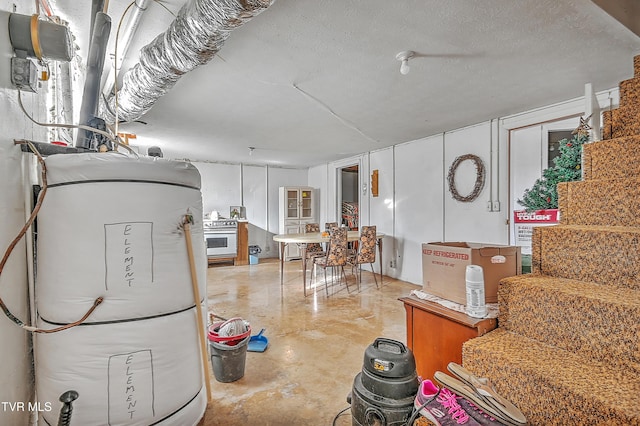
x: 532, y: 150
x: 348, y: 199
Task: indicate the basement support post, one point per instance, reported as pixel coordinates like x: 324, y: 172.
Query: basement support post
x: 592, y: 108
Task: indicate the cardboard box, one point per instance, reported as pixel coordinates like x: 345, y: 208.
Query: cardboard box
x: 444, y: 266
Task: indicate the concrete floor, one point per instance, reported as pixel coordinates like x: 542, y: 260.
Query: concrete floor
x: 316, y: 344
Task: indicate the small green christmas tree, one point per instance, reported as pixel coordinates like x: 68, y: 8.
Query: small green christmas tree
x: 567, y: 168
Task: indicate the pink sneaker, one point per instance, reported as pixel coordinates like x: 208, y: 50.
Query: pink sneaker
x: 444, y: 408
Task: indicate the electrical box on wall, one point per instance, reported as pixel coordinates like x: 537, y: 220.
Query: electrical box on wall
x: 24, y: 74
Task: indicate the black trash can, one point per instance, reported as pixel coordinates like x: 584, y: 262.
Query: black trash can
x: 228, y: 361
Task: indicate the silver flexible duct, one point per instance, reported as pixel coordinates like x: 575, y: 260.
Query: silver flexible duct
x: 193, y: 39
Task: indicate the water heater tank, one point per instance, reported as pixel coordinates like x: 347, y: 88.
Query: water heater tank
x: 111, y: 226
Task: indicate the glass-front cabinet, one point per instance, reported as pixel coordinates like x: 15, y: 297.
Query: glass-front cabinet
x: 297, y: 208
x: 299, y: 203
x: 293, y: 204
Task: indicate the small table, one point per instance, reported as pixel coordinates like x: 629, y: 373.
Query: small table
x: 435, y: 334
x: 315, y: 237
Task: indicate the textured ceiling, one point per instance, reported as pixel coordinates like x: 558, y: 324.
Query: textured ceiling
x: 311, y: 81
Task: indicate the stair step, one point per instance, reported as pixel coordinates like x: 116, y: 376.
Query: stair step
x: 610, y: 202
x: 622, y: 121
x: 552, y: 386
x: 605, y: 255
x: 599, y: 322
x: 630, y: 92
x: 612, y: 158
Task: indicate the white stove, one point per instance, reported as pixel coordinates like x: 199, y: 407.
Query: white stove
x: 219, y: 224
x: 221, y: 236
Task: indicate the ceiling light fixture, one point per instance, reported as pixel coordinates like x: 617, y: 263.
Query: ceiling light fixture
x: 404, y: 57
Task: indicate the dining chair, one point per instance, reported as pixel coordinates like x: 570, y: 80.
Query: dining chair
x: 351, y: 247
x: 366, y: 253
x: 336, y: 257
x: 313, y: 249
x: 329, y: 225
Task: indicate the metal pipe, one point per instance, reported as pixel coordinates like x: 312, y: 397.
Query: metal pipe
x: 96, y: 6
x: 139, y: 7
x: 95, y: 63
x: 490, y: 166
x: 193, y: 39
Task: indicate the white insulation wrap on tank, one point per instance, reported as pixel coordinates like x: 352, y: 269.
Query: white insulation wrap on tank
x: 126, y: 373
x: 111, y: 226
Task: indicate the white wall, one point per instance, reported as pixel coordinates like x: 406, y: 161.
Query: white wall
x: 15, y: 347
x: 255, y: 198
x: 381, y: 212
x: 473, y: 221
x: 318, y: 179
x: 221, y: 186
x: 418, y: 203
x: 255, y: 187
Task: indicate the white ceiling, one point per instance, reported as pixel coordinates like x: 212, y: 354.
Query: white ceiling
x: 311, y: 81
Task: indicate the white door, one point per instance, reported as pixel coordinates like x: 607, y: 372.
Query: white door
x: 529, y: 156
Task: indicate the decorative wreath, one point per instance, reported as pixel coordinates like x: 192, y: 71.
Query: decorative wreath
x: 451, y: 178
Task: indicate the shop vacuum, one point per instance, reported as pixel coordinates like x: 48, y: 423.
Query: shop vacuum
x: 383, y: 393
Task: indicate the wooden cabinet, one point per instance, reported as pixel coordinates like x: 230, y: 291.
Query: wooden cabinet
x: 242, y: 257
x: 435, y: 334
x: 296, y: 209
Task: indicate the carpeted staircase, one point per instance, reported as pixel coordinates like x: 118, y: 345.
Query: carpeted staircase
x: 567, y: 349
